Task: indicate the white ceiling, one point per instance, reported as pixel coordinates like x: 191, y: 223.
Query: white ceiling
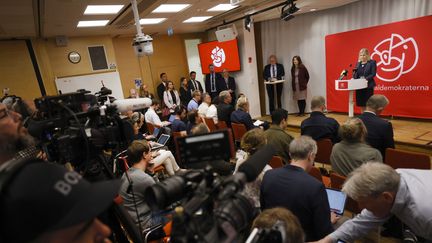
x: 48, y: 18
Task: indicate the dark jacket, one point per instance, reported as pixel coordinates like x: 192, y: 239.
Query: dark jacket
x: 218, y: 83
x: 368, y: 72
x: 231, y: 84
x: 280, y: 71
x: 303, y: 77
x: 292, y: 188
x: 318, y: 126
x: 191, y: 87
x: 160, y: 91
x: 242, y: 117
x: 379, y: 132
x: 185, y: 96
x: 224, y: 113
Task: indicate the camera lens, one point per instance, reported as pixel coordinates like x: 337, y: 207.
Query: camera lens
x: 161, y: 195
x: 238, y: 211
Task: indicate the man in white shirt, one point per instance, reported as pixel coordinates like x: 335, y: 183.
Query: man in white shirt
x: 202, y: 109
x: 152, y: 117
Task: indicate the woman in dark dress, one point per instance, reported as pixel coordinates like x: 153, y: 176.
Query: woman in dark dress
x: 185, y: 95
x: 299, y: 78
x: 366, y: 68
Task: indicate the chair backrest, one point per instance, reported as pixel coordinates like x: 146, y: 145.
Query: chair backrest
x: 316, y: 173
x: 397, y: 158
x: 239, y: 130
x: 175, y: 136
x: 150, y: 127
x: 276, y: 162
x: 325, y: 147
x: 210, y: 124
x: 337, y: 182
x: 222, y: 125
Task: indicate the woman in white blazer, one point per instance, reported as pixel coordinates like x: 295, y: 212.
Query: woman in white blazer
x: 171, y: 97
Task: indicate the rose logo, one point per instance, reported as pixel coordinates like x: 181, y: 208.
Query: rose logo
x: 395, y: 56
x: 218, y: 56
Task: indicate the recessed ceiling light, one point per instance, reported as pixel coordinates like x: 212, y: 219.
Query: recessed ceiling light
x: 170, y: 8
x: 313, y: 9
x: 152, y: 20
x: 197, y: 19
x: 222, y: 7
x: 102, y: 9
x: 92, y: 23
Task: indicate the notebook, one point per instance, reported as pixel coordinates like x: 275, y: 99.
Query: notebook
x: 336, y: 200
x: 163, y: 139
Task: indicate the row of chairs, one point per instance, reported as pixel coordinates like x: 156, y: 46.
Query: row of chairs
x: 396, y: 158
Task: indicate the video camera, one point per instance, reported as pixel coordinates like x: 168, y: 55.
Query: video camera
x: 212, y: 209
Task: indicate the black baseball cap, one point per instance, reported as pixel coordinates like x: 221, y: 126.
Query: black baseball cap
x: 45, y: 197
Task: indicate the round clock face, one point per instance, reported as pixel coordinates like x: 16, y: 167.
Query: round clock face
x: 74, y: 57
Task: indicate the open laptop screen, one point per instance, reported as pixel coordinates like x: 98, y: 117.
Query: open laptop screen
x: 336, y: 200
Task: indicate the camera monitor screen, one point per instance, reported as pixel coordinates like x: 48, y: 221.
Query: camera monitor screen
x: 206, y: 147
x: 336, y: 200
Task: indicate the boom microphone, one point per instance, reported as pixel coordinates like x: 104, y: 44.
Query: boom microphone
x: 247, y: 172
x: 132, y: 104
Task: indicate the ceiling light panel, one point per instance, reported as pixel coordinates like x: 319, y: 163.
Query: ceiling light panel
x: 170, y: 8
x: 197, y: 19
x: 152, y: 20
x: 93, y: 23
x: 102, y: 9
x: 222, y: 7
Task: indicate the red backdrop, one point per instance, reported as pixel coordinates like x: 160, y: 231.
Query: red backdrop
x: 221, y: 54
x: 403, y: 52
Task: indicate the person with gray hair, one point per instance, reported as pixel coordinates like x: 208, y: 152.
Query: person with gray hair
x: 384, y: 192
x: 224, y: 109
x: 380, y: 131
x: 352, y: 151
x: 318, y: 125
x: 241, y: 115
x: 293, y: 188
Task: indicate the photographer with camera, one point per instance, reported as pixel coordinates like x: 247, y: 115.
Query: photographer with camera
x: 61, y: 206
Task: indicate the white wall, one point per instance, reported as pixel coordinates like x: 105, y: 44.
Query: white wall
x: 194, y: 62
x: 304, y: 36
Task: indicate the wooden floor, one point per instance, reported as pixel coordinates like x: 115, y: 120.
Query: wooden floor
x: 409, y: 134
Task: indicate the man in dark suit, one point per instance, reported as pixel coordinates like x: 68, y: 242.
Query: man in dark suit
x: 274, y: 71
x: 228, y: 83
x: 213, y: 82
x: 379, y: 131
x: 224, y: 109
x: 293, y: 188
x: 318, y: 126
x: 194, y: 84
x: 162, y: 86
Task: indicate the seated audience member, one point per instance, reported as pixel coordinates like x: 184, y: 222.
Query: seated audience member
x: 171, y: 97
x: 203, y: 107
x: 318, y: 125
x: 185, y: 94
x: 352, y: 151
x: 241, y: 115
x: 201, y: 128
x: 379, y: 131
x: 194, y: 102
x: 384, y: 192
x: 193, y: 120
x: 152, y: 117
x: 270, y: 217
x: 144, y: 93
x: 46, y: 203
x: 277, y: 136
x: 137, y: 121
x: 224, y: 109
x: 132, y: 192
x: 252, y: 141
x: 212, y: 110
x: 178, y: 125
x: 293, y: 188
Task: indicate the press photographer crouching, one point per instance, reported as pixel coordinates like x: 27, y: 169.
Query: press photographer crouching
x: 46, y: 203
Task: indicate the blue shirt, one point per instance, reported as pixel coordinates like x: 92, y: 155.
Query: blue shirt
x: 193, y: 105
x: 178, y: 125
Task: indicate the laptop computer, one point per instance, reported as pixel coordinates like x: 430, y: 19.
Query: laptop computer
x: 163, y: 139
x: 337, y: 200
x: 171, y: 118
